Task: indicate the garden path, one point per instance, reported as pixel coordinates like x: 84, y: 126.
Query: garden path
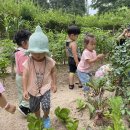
x: 63, y: 98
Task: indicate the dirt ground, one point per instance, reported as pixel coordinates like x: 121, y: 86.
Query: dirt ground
x: 63, y: 98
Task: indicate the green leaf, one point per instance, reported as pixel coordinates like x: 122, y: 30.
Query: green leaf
x: 123, y: 112
x: 128, y: 112
x: 31, y: 126
x: 31, y: 118
x: 80, y: 104
x: 91, y: 109
x: 72, y: 125
x: 57, y: 111
x: 63, y: 113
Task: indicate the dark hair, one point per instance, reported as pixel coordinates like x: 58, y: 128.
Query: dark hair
x: 20, y: 36
x: 87, y: 37
x: 73, y: 29
x: 128, y: 29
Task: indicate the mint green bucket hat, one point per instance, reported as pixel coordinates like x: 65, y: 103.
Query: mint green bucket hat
x: 38, y: 42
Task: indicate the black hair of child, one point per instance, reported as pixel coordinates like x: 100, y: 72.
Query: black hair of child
x: 128, y: 29
x: 73, y: 29
x: 20, y: 36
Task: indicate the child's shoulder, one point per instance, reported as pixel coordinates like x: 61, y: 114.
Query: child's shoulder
x: 50, y: 62
x: 73, y: 44
x: 89, y: 52
x: 49, y: 59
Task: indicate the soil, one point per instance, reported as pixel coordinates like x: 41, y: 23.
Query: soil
x: 64, y: 97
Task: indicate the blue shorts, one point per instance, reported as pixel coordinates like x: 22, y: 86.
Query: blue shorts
x: 84, y: 78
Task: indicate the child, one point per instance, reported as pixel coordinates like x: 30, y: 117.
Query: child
x: 39, y: 75
x: 123, y: 36
x: 73, y: 52
x: 21, y: 38
x: 88, y: 59
x: 3, y: 103
x: 103, y: 70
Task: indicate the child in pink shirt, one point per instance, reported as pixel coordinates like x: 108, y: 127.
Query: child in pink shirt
x: 21, y: 38
x: 88, y: 60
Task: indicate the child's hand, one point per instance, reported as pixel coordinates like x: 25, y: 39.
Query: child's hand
x: 125, y: 31
x: 26, y: 95
x: 77, y: 63
x: 100, y: 56
x: 54, y: 89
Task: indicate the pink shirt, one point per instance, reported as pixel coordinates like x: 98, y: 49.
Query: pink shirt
x: 83, y: 65
x: 1, y: 88
x: 39, y: 73
x: 20, y: 58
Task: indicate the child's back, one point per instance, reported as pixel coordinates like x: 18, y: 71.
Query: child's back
x: 72, y: 52
x: 21, y: 38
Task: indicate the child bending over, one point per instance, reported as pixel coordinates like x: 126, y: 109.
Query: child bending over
x: 88, y: 60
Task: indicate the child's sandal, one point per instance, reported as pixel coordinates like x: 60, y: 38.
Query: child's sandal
x: 71, y: 86
x: 10, y: 108
x: 80, y: 86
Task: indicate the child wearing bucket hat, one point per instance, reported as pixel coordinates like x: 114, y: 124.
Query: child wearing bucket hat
x: 39, y: 75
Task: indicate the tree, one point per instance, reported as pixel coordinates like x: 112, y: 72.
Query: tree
x: 109, y: 5
x: 42, y: 3
x: 69, y: 6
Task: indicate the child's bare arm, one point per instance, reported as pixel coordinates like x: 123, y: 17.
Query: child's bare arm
x: 25, y: 81
x: 122, y: 34
x: 74, y: 52
x: 53, y: 84
x: 66, y: 52
x: 99, y: 57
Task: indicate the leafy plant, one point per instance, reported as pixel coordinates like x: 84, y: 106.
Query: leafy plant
x: 72, y: 124
x: 63, y: 115
x: 81, y: 104
x: 35, y: 123
x: 6, y: 48
x: 96, y: 103
x: 121, y: 63
x: 114, y: 114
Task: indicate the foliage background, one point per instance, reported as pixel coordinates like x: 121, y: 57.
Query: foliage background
x: 15, y: 15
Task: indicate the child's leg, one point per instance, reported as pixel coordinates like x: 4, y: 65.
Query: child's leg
x: 84, y: 78
x: 45, y: 101
x: 3, y: 101
x: 22, y: 102
x: 4, y: 104
x: 37, y: 114
x: 34, y: 103
x: 46, y: 114
x: 71, y: 75
x: 72, y: 70
x: 80, y: 84
x: 71, y: 80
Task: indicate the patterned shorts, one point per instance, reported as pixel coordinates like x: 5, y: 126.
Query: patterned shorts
x: 34, y: 102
